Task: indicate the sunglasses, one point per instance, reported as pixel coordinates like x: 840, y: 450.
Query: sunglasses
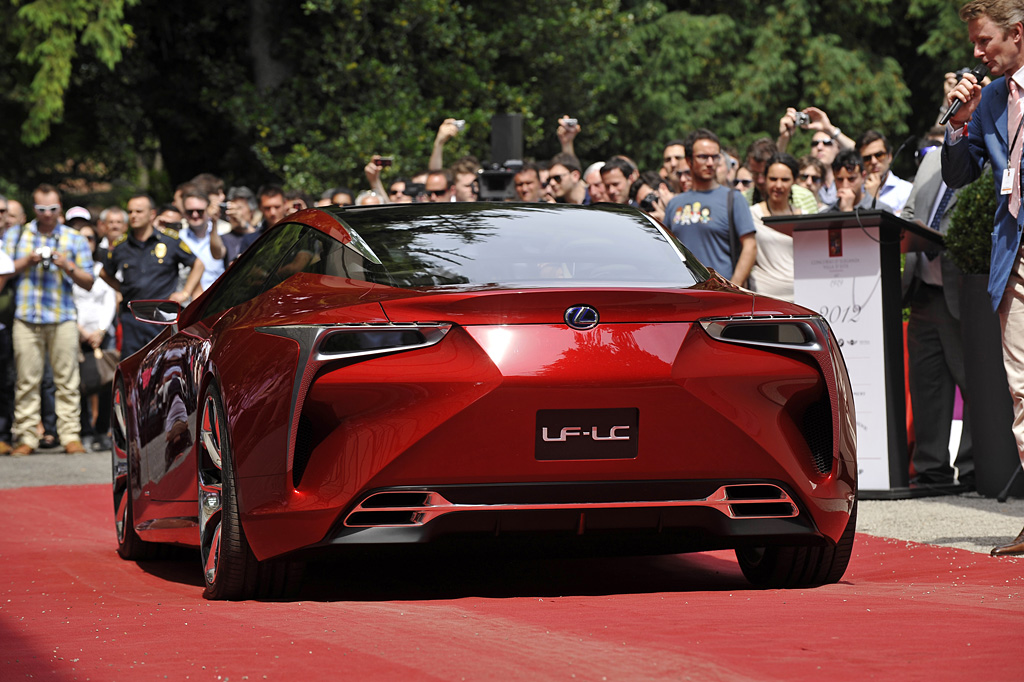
x: 195, y: 211
x: 810, y: 177
x: 876, y: 156
x: 52, y: 208
x: 436, y: 192
x: 744, y: 183
x: 298, y: 206
x: 556, y: 178
x: 822, y: 143
x: 3, y: 210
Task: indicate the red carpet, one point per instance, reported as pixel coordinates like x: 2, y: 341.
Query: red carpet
x: 70, y: 609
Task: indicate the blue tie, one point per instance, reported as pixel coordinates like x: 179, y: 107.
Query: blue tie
x: 941, y: 210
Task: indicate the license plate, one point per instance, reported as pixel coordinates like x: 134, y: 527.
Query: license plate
x: 587, y: 434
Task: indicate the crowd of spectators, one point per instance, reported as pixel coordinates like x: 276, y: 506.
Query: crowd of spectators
x: 71, y: 272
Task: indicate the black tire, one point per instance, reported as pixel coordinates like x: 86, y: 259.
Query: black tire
x: 230, y: 570
x: 129, y: 545
x: 776, y: 567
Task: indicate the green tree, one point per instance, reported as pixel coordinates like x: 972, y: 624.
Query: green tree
x: 305, y: 93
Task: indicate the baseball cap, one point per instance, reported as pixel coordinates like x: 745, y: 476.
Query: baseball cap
x: 77, y: 212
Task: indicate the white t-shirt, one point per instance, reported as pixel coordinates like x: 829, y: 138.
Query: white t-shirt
x: 6, y: 264
x: 772, y: 274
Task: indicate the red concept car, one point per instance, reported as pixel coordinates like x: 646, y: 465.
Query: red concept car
x: 547, y: 378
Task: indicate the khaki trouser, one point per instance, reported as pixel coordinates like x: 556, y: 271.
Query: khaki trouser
x: 33, y: 343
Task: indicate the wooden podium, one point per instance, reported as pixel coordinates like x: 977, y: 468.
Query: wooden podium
x: 847, y: 268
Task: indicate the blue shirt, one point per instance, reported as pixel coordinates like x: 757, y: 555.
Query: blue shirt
x: 700, y: 220
x: 44, y: 292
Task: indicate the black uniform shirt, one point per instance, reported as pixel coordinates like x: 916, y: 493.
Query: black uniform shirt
x: 149, y: 269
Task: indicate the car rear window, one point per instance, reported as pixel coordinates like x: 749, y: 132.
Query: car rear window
x: 521, y: 246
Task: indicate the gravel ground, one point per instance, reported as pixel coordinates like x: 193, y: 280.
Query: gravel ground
x: 966, y: 521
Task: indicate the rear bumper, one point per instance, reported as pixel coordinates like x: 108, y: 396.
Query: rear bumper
x: 632, y: 517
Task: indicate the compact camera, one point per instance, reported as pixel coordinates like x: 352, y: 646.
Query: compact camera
x: 459, y: 124
x: 384, y: 161
x: 570, y: 123
x: 802, y: 119
x: 46, y: 253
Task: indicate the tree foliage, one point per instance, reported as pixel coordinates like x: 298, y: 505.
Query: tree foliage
x: 306, y: 92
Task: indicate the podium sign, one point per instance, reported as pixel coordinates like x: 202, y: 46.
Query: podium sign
x: 836, y: 274
x: 847, y: 269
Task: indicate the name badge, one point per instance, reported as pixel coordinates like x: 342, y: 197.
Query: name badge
x: 1007, y: 185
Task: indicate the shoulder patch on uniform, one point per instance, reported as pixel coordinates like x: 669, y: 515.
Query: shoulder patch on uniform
x: 184, y: 247
x: 172, y: 233
x: 120, y: 240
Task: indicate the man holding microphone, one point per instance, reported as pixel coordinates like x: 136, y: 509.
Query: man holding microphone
x: 987, y: 128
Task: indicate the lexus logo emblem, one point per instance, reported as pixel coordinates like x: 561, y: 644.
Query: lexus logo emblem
x: 582, y: 317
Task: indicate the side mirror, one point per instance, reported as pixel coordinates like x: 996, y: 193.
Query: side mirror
x: 156, y: 312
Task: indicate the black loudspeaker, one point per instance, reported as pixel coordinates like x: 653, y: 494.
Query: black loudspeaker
x: 506, y: 138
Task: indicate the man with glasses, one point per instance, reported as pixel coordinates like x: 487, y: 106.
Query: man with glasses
x: 201, y: 237
x: 565, y: 180
x: 148, y: 261
x: 439, y: 187
x: 49, y: 257
x: 398, y: 192
x: 880, y: 182
x: 700, y: 218
x: 812, y: 177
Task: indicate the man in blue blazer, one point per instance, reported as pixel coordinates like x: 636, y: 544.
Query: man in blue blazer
x: 978, y: 133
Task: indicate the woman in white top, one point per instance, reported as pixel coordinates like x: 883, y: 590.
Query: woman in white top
x: 772, y: 274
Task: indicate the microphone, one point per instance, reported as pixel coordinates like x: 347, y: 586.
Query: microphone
x: 979, y: 73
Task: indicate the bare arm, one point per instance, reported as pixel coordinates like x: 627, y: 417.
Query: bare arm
x: 567, y: 135
x: 372, y: 172
x: 112, y: 281
x: 191, y: 288
x: 217, y: 248
x: 79, y: 276
x: 745, y: 263
x: 446, y: 132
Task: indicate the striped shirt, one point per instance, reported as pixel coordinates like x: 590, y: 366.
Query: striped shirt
x: 44, y: 294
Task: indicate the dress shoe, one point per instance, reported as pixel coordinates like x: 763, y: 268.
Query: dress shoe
x: 1014, y: 547
x: 5, y: 448
x: 75, y: 447
x: 22, y: 451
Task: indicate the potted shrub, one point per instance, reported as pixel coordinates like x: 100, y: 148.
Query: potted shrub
x: 987, y: 396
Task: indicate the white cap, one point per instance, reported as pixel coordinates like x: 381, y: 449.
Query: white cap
x: 77, y: 212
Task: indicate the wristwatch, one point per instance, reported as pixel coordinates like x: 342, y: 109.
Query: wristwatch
x: 836, y: 132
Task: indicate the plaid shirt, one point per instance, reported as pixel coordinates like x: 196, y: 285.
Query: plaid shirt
x: 44, y: 295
